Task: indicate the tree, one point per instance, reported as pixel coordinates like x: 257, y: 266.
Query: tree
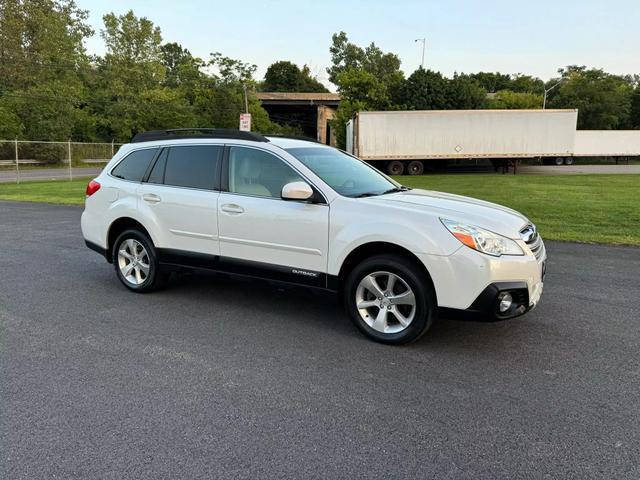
x: 424, y: 90
x: 10, y: 125
x: 495, y: 82
x: 134, y: 95
x: 282, y: 76
x: 285, y: 76
x: 507, y: 99
x: 182, y: 68
x: 603, y: 100
x: 492, y: 81
x: 526, y: 84
x: 464, y: 93
x: 367, y: 78
x: 309, y: 83
x: 42, y: 66
x: 634, y: 117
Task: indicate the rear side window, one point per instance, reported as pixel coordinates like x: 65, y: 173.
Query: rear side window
x: 157, y: 172
x: 193, y: 166
x: 134, y: 165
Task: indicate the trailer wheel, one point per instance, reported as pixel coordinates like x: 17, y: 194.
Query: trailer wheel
x: 558, y: 160
x: 395, y: 168
x: 415, y: 167
x: 568, y: 161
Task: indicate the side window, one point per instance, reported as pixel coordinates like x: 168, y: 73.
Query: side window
x: 256, y: 172
x: 193, y: 166
x: 134, y: 165
x: 157, y: 172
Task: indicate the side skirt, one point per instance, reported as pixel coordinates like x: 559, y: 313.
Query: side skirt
x: 248, y: 268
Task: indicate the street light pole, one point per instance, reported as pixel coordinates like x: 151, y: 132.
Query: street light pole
x: 246, y: 100
x: 424, y: 44
x: 547, y: 90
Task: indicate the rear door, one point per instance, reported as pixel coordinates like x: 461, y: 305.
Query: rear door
x: 260, y: 233
x: 181, y: 196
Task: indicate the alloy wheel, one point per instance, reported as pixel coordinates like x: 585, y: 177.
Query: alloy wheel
x: 385, y: 302
x: 133, y: 262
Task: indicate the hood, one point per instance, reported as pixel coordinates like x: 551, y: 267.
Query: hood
x: 493, y: 217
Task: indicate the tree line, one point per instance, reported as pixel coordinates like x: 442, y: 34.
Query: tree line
x: 51, y: 88
x: 370, y: 79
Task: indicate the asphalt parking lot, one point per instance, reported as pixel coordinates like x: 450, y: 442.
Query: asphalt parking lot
x: 223, y: 378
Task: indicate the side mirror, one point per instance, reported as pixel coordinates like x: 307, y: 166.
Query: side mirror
x: 297, y: 191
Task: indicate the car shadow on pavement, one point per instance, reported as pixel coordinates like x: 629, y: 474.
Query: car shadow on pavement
x: 301, y: 307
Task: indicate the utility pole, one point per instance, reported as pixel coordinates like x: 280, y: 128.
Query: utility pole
x: 547, y: 90
x: 424, y: 44
x: 246, y: 100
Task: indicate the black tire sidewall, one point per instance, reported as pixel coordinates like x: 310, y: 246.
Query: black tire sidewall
x: 151, y: 281
x: 420, y: 168
x: 400, y: 167
x: 415, y: 278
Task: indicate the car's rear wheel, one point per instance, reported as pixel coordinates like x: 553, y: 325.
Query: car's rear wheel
x: 136, y: 262
x: 389, y: 299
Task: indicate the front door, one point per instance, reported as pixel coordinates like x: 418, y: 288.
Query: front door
x: 260, y: 232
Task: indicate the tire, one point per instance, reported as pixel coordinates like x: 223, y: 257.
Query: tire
x: 568, y: 161
x: 395, y: 167
x: 558, y: 161
x: 418, y: 317
x: 145, y: 275
x: 415, y: 167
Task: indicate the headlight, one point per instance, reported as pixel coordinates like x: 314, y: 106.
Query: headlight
x: 482, y: 240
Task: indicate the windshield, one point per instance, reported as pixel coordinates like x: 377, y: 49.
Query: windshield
x: 345, y: 174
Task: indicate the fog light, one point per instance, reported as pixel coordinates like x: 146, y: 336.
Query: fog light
x: 505, y: 302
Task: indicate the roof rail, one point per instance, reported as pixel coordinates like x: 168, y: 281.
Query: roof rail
x: 181, y: 133
x: 293, y: 137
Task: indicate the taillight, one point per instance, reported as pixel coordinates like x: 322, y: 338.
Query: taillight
x: 92, y: 187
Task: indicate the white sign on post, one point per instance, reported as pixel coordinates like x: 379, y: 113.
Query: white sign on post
x: 245, y: 122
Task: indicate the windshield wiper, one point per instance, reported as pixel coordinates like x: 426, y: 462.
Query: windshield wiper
x: 401, y: 188
x: 366, y: 194
x: 375, y: 194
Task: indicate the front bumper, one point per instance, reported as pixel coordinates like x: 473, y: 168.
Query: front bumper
x: 471, y: 282
x: 486, y: 306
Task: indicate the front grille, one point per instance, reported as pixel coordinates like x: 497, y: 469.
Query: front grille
x: 530, y: 236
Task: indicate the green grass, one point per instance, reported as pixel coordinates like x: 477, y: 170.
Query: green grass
x: 580, y: 208
x: 62, y: 192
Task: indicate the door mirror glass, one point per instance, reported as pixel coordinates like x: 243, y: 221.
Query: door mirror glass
x: 297, y: 191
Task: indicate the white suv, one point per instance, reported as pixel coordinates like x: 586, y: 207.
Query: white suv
x: 305, y: 213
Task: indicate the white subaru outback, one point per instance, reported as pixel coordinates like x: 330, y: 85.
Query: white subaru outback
x: 301, y: 212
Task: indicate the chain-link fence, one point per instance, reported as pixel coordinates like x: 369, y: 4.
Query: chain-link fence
x: 22, y: 160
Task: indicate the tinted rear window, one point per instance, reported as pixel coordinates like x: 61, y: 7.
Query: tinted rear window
x: 193, y: 166
x: 157, y: 172
x: 134, y: 165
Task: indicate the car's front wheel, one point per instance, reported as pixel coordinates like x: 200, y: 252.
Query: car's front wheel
x: 389, y: 299
x: 136, y: 262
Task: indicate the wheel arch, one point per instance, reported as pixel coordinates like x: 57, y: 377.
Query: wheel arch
x: 370, y: 249
x: 118, y: 226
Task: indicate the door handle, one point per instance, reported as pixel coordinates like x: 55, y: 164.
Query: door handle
x: 151, y: 198
x: 232, y: 208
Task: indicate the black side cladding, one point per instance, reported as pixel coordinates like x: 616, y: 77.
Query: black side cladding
x: 183, y: 133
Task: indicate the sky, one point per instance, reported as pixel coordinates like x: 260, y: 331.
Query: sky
x: 531, y: 37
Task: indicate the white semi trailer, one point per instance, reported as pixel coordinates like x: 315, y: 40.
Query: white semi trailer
x: 618, y: 144
x: 402, y: 141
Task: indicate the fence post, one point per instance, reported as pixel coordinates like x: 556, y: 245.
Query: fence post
x: 112, y: 148
x: 17, y: 164
x: 70, y: 165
